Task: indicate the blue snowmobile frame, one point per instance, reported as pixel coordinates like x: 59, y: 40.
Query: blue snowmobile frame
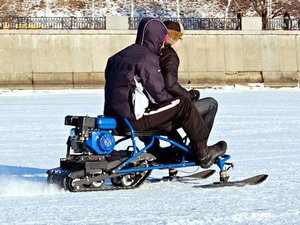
x: 137, y: 153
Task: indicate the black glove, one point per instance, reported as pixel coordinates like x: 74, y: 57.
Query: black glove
x: 195, y: 94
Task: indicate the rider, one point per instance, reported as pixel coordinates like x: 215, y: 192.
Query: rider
x: 169, y: 63
x: 135, y: 90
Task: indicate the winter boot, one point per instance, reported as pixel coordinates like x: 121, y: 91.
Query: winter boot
x: 206, y: 156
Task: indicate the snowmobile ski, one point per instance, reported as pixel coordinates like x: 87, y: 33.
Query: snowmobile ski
x: 200, y: 175
x: 240, y: 183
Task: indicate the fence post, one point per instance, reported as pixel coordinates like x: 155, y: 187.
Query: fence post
x: 117, y: 23
x: 252, y: 23
x: 62, y: 23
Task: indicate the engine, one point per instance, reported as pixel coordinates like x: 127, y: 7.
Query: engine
x: 91, y: 134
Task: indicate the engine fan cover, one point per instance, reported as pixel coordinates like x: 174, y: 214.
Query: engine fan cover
x: 101, y: 142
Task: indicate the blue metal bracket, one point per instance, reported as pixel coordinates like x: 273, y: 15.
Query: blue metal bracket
x: 221, y: 161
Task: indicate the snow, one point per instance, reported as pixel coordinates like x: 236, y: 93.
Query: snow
x: 260, y: 125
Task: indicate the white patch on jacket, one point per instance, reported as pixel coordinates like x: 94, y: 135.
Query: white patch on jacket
x: 139, y: 99
x: 166, y: 107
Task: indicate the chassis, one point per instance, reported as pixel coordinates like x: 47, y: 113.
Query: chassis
x: 92, y: 157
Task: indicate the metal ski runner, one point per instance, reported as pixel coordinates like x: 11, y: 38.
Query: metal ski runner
x: 240, y: 183
x: 200, y: 175
x: 221, y: 162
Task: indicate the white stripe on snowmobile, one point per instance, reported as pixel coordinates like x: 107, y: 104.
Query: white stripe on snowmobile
x: 173, y: 104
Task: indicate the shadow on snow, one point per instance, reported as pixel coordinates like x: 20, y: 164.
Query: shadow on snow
x: 26, y: 173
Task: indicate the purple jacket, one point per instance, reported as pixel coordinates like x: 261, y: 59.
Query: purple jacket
x: 133, y: 76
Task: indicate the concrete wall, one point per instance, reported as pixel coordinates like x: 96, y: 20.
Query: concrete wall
x: 232, y: 57
x: 38, y: 59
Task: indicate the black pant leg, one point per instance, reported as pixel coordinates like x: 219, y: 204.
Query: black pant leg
x: 207, y: 107
x: 180, y: 110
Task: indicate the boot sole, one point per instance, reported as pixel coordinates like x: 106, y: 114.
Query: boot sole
x: 212, y: 160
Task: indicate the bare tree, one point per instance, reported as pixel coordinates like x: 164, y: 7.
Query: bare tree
x: 131, y: 8
x: 227, y: 8
x: 262, y: 8
x: 178, y: 8
x: 4, y: 5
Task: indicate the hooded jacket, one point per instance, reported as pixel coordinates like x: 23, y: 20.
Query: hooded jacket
x: 133, y: 77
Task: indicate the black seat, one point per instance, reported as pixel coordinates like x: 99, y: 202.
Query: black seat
x: 122, y: 129
x: 145, y: 133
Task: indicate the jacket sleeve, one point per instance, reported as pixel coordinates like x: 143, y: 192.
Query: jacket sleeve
x: 153, y: 82
x: 169, y: 63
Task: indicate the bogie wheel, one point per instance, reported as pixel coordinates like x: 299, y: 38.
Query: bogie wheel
x: 116, y: 181
x: 69, y: 184
x: 128, y: 180
x: 96, y: 184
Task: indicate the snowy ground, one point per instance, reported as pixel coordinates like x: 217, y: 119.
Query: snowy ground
x: 261, y: 127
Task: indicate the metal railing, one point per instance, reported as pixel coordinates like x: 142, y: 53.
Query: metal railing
x: 99, y: 23
x: 196, y: 23
x: 53, y: 23
x: 281, y: 24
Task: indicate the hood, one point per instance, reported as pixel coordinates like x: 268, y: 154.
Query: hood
x: 151, y: 33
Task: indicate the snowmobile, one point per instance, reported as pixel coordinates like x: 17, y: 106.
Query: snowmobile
x: 102, y: 154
